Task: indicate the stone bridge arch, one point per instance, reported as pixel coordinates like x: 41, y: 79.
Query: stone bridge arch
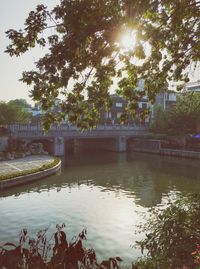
x: 109, y: 137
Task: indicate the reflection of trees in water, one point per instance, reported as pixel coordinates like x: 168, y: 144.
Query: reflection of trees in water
x: 174, y: 166
x: 145, y: 177
x: 179, y: 173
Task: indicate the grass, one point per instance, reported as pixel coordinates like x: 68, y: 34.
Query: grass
x: 31, y: 171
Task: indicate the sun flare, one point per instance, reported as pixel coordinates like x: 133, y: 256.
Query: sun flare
x: 128, y: 40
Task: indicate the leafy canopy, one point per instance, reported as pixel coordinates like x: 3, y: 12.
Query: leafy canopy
x: 86, y: 55
x: 186, y: 114
x: 182, y: 118
x: 12, y: 112
x: 22, y: 103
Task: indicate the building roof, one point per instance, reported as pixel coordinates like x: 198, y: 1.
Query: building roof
x: 193, y: 86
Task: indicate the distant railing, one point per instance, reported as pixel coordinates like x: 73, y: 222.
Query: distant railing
x: 72, y: 130
x: 65, y: 127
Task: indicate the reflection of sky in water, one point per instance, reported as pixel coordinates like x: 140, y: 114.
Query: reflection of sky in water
x: 109, y: 216
x: 106, y: 193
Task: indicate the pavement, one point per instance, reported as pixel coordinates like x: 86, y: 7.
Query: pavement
x: 27, y: 163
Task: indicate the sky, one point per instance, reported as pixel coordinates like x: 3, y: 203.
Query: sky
x: 12, y: 15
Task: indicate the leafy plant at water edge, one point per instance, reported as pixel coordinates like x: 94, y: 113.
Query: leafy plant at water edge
x: 196, y: 256
x: 42, y: 253
x: 173, y: 233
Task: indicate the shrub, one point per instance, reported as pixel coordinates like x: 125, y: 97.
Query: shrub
x: 41, y: 252
x: 172, y: 234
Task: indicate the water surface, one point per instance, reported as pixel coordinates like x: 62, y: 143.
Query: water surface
x: 108, y: 193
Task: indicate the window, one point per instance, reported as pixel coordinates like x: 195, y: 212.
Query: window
x: 119, y: 105
x: 171, y: 97
x: 108, y: 115
x: 144, y: 105
x: 119, y: 114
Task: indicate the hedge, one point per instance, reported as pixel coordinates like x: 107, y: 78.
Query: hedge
x: 31, y: 171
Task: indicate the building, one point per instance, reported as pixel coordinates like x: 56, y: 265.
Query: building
x: 192, y: 86
x: 35, y: 111
x: 112, y: 116
x: 165, y: 99
x: 118, y: 108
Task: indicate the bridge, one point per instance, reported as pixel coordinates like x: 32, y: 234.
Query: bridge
x: 109, y: 137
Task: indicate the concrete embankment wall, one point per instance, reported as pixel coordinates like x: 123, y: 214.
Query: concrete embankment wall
x: 3, y: 143
x: 144, y: 145
x: 180, y: 153
x: 154, y: 146
x: 7, y: 183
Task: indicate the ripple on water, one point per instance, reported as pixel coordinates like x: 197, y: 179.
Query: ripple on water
x: 105, y: 195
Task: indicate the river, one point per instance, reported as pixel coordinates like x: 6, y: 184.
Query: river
x: 107, y: 193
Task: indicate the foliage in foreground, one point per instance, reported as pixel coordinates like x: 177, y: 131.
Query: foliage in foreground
x: 30, y: 171
x: 172, y: 235
x: 172, y: 241
x: 86, y: 53
x: 42, y: 253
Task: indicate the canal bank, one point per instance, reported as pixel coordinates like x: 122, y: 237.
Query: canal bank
x: 28, y: 169
x: 155, y: 146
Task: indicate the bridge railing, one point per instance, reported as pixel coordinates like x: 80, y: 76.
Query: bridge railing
x: 71, y: 131
x: 66, y: 127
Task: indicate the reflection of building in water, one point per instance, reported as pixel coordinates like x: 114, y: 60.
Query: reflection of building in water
x: 146, y: 196
x: 142, y: 185
x: 131, y: 177
x: 168, y: 174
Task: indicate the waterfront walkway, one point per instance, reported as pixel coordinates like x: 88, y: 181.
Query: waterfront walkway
x: 22, y: 164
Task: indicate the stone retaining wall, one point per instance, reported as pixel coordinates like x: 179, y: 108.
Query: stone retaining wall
x: 180, y: 153
x: 145, y: 145
x: 154, y: 146
x: 3, y: 143
x: 7, y: 183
